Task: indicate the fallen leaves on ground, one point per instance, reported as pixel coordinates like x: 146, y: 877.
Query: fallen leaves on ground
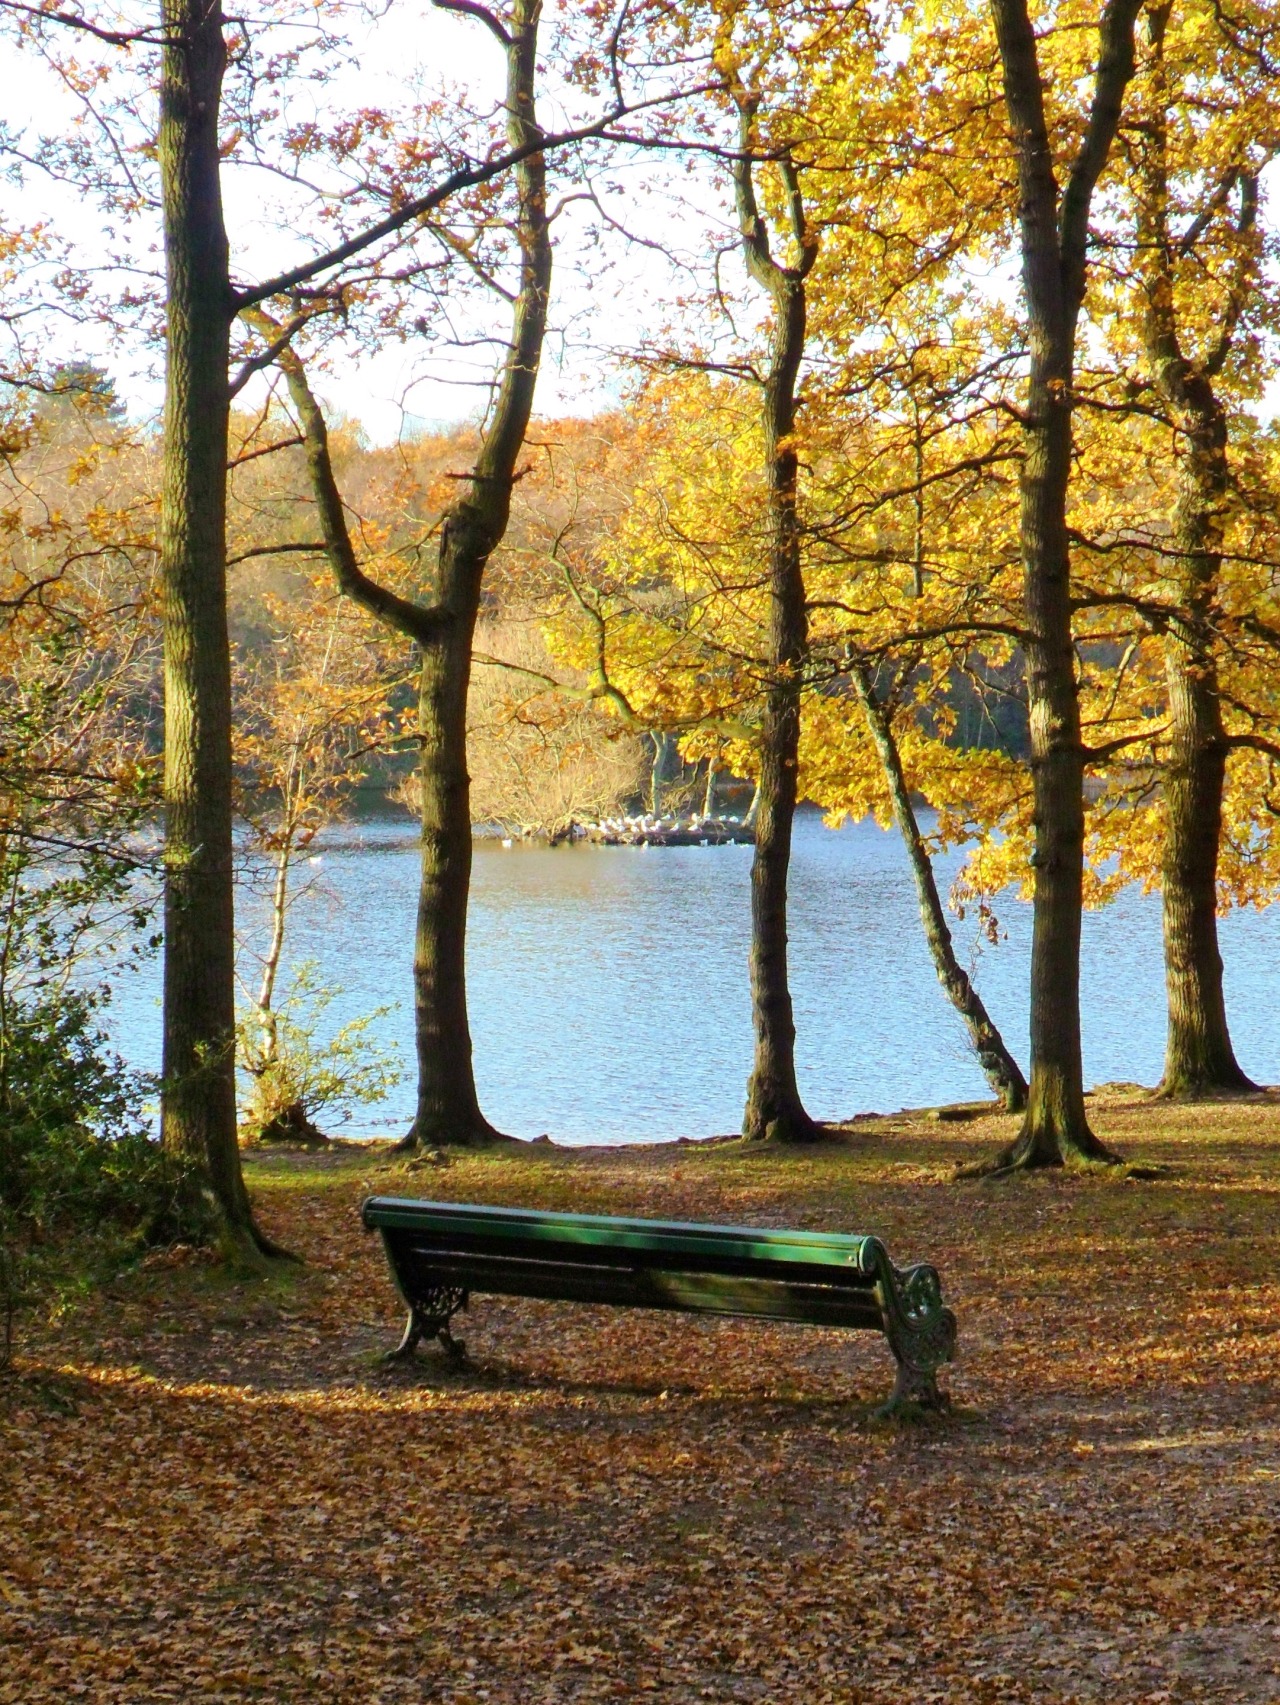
x: 213, y: 1491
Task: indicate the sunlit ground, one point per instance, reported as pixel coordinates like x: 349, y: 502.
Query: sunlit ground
x: 213, y: 1491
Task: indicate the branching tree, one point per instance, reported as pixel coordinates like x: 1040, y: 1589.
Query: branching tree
x: 390, y: 208
x: 448, y: 1110
x: 1195, y: 287
x: 1054, y: 226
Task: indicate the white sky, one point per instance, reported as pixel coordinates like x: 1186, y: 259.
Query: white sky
x: 601, y: 301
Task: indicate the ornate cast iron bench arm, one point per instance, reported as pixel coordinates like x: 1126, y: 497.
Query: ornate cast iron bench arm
x: 442, y: 1252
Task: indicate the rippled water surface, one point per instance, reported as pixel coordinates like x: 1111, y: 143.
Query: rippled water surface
x: 608, y: 985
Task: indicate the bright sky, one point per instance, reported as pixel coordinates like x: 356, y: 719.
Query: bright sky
x: 604, y: 299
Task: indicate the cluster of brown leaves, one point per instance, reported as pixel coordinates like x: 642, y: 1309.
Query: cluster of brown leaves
x: 213, y: 1490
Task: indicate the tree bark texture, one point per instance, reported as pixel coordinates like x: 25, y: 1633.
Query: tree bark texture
x: 199, y: 1091
x: 774, y: 1108
x: 1054, y: 237
x: 448, y: 1109
x: 999, y: 1066
x: 1199, y: 1058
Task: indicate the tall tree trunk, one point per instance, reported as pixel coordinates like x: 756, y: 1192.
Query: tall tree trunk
x: 448, y: 1108
x: 774, y: 1108
x: 1199, y: 1058
x: 998, y: 1064
x: 1055, y: 1126
x: 199, y: 1091
x: 1054, y: 234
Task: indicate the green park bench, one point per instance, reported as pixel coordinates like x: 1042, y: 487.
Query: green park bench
x: 441, y: 1252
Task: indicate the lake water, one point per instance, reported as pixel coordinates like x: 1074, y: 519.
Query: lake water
x: 608, y: 985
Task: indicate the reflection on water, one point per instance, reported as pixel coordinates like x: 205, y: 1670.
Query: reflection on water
x: 608, y: 985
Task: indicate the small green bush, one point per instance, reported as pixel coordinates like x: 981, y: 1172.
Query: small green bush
x: 84, y: 1186
x: 295, y: 1076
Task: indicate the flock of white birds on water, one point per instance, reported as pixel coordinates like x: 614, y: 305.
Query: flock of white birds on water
x: 648, y: 830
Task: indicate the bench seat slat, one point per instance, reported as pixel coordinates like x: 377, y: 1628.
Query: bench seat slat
x: 638, y: 1287
x: 729, y: 1258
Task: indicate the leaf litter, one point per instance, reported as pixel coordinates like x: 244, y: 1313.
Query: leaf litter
x: 212, y: 1490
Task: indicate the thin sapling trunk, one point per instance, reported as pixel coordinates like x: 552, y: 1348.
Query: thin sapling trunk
x: 999, y: 1066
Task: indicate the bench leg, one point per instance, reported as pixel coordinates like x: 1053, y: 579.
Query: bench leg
x: 453, y: 1347
x: 403, y: 1351
x: 921, y: 1334
x: 431, y: 1319
x: 914, y: 1388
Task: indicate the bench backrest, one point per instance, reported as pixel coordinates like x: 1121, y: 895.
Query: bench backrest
x: 823, y: 1257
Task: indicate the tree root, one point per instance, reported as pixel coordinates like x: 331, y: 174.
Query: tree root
x: 1037, y: 1152
x: 792, y: 1129
x: 1237, y: 1088
x: 250, y: 1249
x: 474, y: 1135
x: 292, y: 1128
x: 273, y: 1251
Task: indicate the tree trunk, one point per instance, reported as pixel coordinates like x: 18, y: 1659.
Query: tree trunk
x: 709, y: 790
x: 774, y: 1108
x: 1056, y: 1127
x: 663, y: 745
x: 199, y: 1090
x: 448, y: 1110
x: 275, y: 948
x: 1199, y: 1058
x: 448, y: 1107
x: 1054, y: 234
x: 998, y: 1064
